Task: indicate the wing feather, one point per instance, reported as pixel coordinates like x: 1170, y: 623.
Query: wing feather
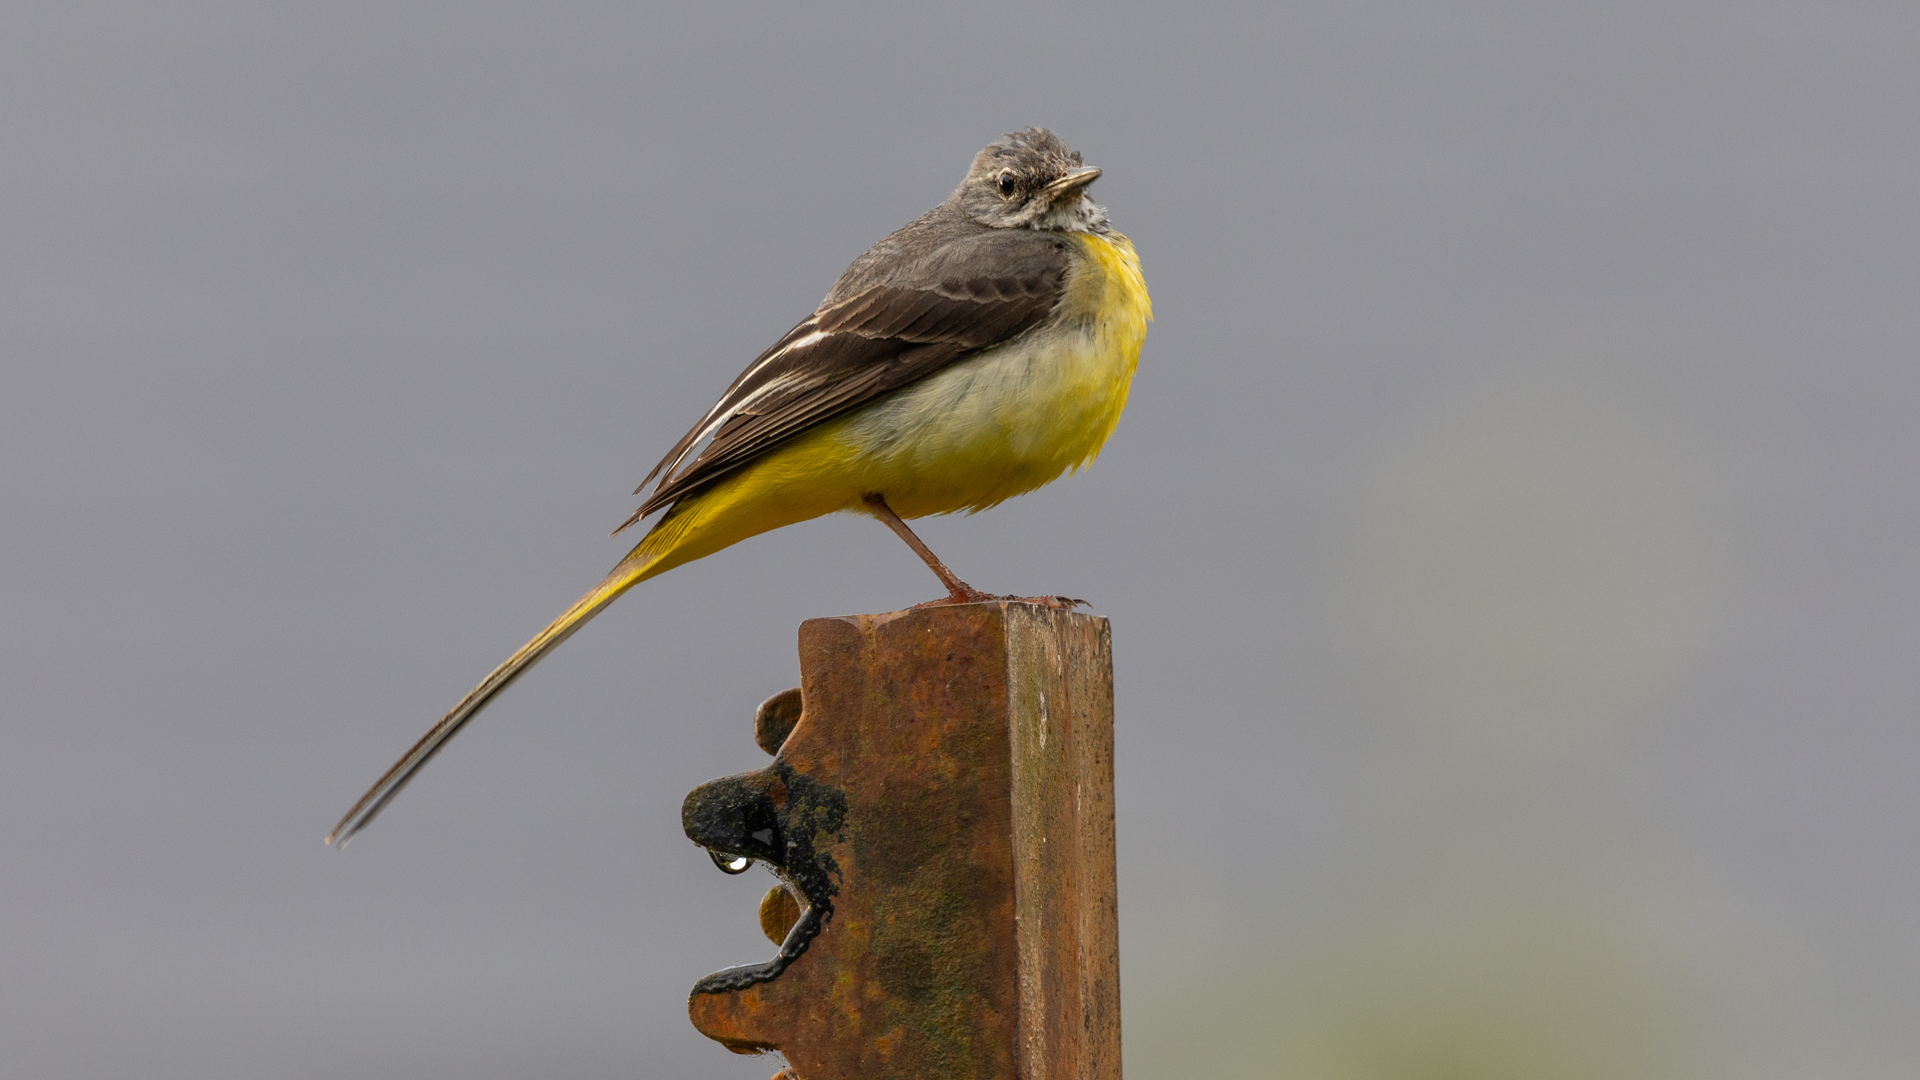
x: 858, y: 347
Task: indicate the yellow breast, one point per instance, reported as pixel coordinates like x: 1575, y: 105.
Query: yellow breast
x: 1017, y: 416
x: 993, y: 426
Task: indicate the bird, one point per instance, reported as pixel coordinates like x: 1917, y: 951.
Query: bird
x: 977, y: 353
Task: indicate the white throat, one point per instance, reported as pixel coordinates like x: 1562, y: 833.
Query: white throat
x: 1080, y: 214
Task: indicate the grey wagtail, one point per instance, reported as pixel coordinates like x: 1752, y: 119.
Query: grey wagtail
x: 974, y: 355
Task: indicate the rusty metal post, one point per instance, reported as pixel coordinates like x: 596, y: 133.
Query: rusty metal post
x: 940, y: 813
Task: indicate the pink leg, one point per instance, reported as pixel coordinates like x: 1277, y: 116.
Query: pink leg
x: 958, y: 592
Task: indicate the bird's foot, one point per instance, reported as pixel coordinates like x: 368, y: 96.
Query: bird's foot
x: 1058, y: 603
x: 959, y: 592
x: 975, y: 596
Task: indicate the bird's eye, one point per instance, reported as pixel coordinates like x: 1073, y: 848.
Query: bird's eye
x: 1006, y: 183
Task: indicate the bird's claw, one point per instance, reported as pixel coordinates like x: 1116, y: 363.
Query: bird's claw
x: 1062, y: 603
x: 975, y: 596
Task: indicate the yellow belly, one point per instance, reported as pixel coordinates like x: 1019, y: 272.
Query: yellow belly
x: 993, y: 426
x: 1015, y: 417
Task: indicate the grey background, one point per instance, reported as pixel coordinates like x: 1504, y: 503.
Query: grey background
x: 1509, y: 542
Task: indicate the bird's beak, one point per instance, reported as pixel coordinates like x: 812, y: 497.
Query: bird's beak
x: 1069, y: 185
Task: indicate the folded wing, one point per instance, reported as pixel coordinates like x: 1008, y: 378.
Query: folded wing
x: 855, y: 349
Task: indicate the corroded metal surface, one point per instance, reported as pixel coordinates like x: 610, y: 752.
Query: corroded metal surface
x: 779, y: 910
x: 774, y: 720
x: 944, y: 808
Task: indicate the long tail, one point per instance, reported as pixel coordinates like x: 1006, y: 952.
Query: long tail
x: 804, y: 479
x: 635, y: 568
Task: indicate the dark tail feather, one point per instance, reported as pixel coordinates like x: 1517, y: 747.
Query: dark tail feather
x: 623, y: 577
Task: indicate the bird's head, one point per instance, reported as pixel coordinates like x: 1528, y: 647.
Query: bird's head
x: 1030, y: 180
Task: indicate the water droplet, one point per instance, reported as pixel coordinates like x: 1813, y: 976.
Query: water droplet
x: 730, y: 864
